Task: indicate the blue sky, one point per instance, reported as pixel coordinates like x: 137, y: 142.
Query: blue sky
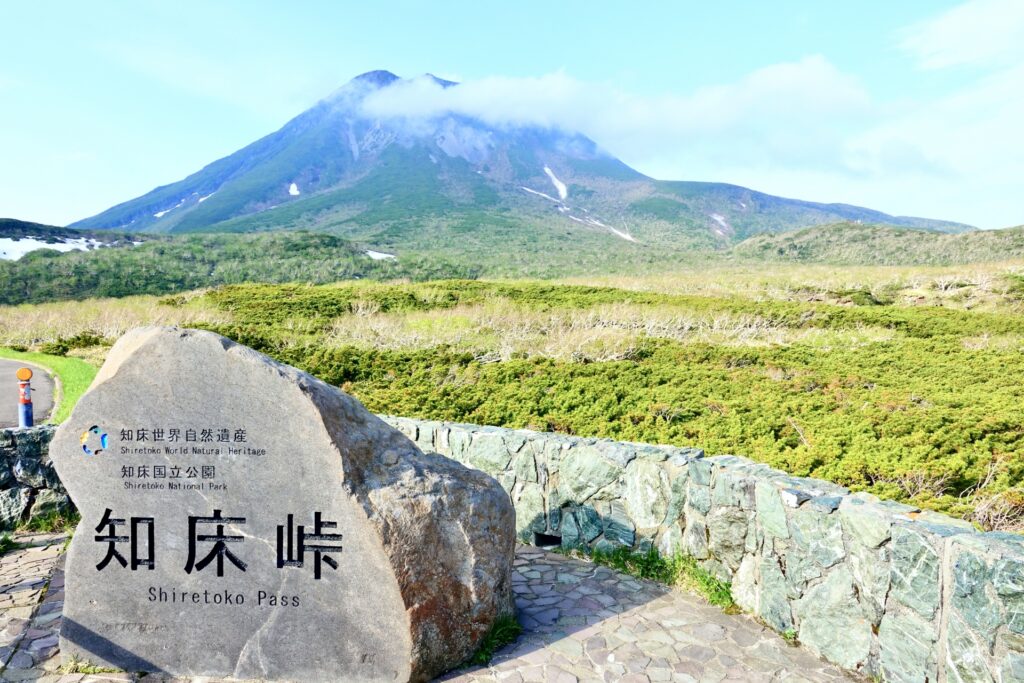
x: 911, y: 107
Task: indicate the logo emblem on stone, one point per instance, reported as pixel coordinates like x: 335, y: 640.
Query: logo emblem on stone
x: 91, y: 445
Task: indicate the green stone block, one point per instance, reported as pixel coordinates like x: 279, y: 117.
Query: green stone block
x: 831, y: 621
x: 907, y: 649
x: 971, y: 575
x: 1008, y: 581
x: 915, y: 570
x: 699, y: 497
x: 770, y: 512
x: 818, y: 535
x: 966, y: 653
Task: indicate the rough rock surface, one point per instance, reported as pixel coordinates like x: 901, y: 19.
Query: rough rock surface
x: 829, y: 609
x: 426, y: 547
x: 29, y: 487
x: 907, y: 643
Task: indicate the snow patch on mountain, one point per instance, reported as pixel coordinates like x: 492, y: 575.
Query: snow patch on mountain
x: 379, y: 255
x: 593, y: 222
x: 293, y: 190
x: 563, y: 191
x: 540, y: 194
x: 353, y: 144
x: 203, y: 199
x: 565, y: 210
x: 161, y: 214
x: 725, y: 228
x: 624, y: 235
x: 13, y: 249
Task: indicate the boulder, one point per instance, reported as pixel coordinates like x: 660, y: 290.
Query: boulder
x: 242, y: 518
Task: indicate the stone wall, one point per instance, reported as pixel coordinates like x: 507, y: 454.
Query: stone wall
x: 29, y: 487
x: 872, y: 585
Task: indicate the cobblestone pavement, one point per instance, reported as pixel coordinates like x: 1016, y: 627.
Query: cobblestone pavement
x: 581, y: 623
x: 31, y: 596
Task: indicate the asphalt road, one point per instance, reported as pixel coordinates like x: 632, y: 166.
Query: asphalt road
x: 42, y: 393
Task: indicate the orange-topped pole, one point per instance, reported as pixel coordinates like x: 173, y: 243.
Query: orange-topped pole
x: 24, y: 397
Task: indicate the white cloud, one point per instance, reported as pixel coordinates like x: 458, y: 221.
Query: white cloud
x: 775, y: 110
x: 976, y: 32
x: 801, y: 129
x: 968, y: 132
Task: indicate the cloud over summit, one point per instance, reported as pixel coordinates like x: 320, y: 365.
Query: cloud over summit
x: 803, y: 128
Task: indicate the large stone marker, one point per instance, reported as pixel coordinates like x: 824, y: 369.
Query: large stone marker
x: 242, y: 518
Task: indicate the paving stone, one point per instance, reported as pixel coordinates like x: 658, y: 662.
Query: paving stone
x: 23, y: 674
x: 582, y: 624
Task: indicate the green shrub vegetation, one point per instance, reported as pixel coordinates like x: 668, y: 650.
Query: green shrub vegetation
x: 883, y: 245
x: 846, y: 379
x: 164, y: 265
x: 924, y: 413
x: 435, y: 239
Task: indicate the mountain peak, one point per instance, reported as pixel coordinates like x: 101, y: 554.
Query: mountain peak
x: 444, y: 83
x: 379, y: 78
x: 356, y: 162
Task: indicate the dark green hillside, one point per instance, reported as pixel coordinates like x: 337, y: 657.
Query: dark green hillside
x: 441, y: 245
x: 850, y: 243
x: 15, y: 229
x: 164, y: 265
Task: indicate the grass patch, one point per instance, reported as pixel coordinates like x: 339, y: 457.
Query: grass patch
x: 51, y: 522
x: 74, y: 375
x: 81, y: 666
x: 690, y: 576
x: 679, y: 570
x: 7, y: 544
x: 504, y: 631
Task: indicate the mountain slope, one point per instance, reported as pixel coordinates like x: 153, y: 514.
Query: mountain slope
x: 850, y: 243
x: 429, y: 183
x: 165, y: 264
